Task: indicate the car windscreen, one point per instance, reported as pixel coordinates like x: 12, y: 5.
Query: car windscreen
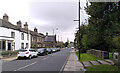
x: 22, y: 50
x: 48, y: 49
x: 40, y: 49
x: 31, y: 50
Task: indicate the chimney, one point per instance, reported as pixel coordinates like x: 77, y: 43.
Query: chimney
x: 5, y: 17
x: 19, y: 23
x: 35, y: 29
x: 46, y: 33
x: 26, y: 25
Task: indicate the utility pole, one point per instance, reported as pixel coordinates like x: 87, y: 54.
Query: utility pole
x: 58, y: 38
x: 53, y: 31
x: 79, y: 28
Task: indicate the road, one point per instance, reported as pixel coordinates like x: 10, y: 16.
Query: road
x: 51, y: 62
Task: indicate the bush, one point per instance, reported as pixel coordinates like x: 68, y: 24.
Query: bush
x: 9, y: 52
x: 83, y: 50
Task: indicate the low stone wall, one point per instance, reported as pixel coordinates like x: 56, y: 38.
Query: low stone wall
x: 99, y: 53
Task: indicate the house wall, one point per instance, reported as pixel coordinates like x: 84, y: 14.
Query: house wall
x: 17, y: 40
x: 49, y: 44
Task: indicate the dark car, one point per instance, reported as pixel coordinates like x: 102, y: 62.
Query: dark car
x: 58, y: 49
x: 49, y: 50
x: 54, y: 49
x: 42, y: 51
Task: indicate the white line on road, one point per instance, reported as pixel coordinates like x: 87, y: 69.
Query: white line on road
x: 25, y: 66
x: 45, y: 58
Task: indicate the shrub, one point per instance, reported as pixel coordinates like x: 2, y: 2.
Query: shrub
x: 9, y: 52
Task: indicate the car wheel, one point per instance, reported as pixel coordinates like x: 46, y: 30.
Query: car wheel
x: 30, y: 57
x: 18, y: 58
x: 36, y: 56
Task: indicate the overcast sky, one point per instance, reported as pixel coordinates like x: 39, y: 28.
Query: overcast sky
x: 45, y: 15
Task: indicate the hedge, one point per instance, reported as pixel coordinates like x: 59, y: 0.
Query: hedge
x: 9, y: 52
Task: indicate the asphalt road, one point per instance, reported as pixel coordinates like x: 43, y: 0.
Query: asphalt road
x: 51, y: 62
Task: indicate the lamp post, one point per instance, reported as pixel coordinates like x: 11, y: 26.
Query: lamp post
x: 55, y: 34
x: 79, y: 30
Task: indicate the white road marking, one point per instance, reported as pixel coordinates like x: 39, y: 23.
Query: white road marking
x: 45, y: 58
x: 25, y: 66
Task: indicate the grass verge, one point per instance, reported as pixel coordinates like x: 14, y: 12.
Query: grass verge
x: 87, y: 57
x: 102, y: 69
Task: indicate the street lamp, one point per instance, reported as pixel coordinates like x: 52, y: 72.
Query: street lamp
x: 79, y: 30
x: 55, y: 34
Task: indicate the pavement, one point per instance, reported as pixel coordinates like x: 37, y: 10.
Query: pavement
x: 73, y: 64
x: 9, y: 59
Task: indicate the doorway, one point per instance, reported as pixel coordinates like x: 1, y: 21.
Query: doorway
x: 9, y: 46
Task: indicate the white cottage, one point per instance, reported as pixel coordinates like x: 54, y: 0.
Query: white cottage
x: 13, y: 37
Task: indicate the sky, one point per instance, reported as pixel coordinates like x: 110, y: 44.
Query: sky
x: 45, y: 15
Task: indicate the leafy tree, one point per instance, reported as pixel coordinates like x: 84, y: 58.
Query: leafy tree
x: 103, y: 24
x: 66, y: 44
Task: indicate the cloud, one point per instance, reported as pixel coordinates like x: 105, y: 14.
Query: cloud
x: 57, y: 15
x: 46, y: 15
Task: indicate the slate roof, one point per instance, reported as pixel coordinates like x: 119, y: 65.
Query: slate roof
x: 15, y: 27
x: 50, y: 38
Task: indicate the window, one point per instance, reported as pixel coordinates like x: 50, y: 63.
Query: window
x: 22, y: 36
x: 13, y: 34
x: 26, y: 45
x: 27, y: 36
x: 22, y: 45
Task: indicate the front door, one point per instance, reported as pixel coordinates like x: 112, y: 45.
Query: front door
x: 9, y: 46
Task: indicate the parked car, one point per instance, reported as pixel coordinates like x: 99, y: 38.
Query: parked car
x: 72, y: 47
x: 42, y: 51
x: 27, y: 53
x: 58, y: 49
x: 54, y: 49
x: 49, y: 50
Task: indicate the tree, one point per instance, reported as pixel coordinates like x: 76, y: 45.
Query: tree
x: 66, y: 44
x: 103, y: 24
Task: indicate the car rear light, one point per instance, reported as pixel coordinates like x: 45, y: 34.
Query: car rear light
x: 27, y: 52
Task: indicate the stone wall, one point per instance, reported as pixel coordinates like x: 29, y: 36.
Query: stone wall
x: 99, y: 53
x: 116, y: 58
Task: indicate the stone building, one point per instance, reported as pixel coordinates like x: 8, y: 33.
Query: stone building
x: 37, y: 39
x: 50, y: 40
x: 13, y: 37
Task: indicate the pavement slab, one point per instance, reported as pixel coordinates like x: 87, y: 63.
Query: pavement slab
x: 69, y: 69
x: 103, y: 62
x: 79, y: 64
x: 110, y: 61
x: 72, y: 63
x: 9, y: 59
x: 86, y: 64
x: 95, y: 62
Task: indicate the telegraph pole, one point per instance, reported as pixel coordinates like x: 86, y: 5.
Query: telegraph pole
x: 79, y: 28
